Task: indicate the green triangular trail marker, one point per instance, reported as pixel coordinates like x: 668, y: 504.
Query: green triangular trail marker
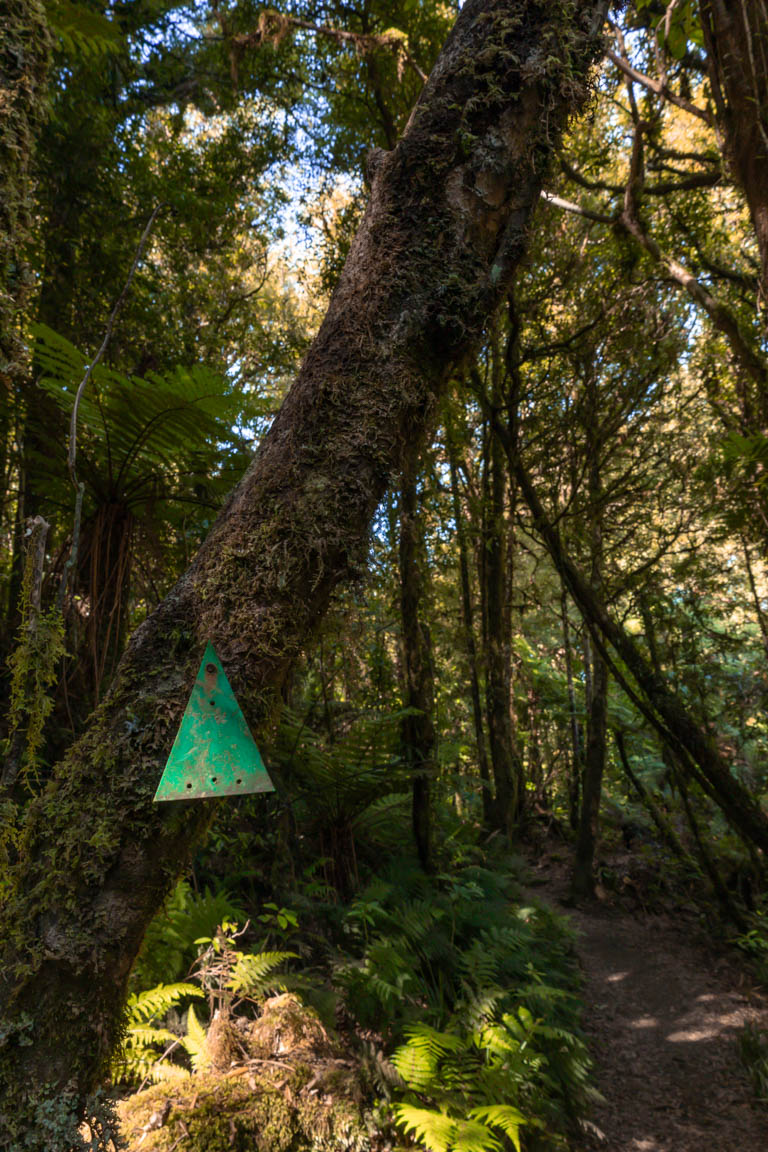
x: 214, y: 753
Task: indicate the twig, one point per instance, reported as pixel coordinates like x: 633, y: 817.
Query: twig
x: 71, y: 455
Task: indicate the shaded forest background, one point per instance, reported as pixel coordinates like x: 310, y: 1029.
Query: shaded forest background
x: 562, y: 625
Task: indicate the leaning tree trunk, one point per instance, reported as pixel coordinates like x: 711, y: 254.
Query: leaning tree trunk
x: 442, y: 235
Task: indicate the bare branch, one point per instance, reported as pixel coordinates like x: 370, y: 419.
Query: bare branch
x: 576, y: 209
x: 659, y: 88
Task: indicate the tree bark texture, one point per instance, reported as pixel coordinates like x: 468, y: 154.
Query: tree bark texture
x: 505, y: 761
x: 736, y: 38
x: 443, y: 232
x: 418, y: 728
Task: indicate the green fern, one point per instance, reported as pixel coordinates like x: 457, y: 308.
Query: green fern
x: 83, y: 32
x: 146, y: 439
x: 169, y: 947
x: 255, y: 975
x: 140, y: 1054
x: 440, y: 1132
x: 194, y: 1041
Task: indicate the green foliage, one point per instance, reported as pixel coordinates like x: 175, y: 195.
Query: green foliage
x: 170, y: 945
x: 144, y: 439
x: 256, y: 975
x: 34, y: 665
x: 145, y: 1041
x: 754, y: 942
x: 753, y: 1052
x: 83, y: 32
x: 484, y: 995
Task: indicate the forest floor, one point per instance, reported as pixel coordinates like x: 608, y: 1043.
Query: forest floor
x: 664, y: 1008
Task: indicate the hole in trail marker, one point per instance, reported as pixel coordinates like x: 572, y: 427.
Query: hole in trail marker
x: 214, y: 753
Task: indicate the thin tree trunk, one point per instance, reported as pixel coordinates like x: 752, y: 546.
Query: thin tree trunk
x: 468, y: 620
x: 505, y: 761
x: 418, y: 729
x: 662, y: 822
x: 588, y: 834
x: 497, y: 680
x: 574, y: 783
x: 583, y: 881
x: 437, y: 249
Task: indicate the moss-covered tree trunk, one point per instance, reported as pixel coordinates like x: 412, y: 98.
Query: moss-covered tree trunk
x: 24, y: 59
x: 24, y: 55
x: 436, y: 252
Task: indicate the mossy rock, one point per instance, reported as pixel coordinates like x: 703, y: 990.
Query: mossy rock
x: 294, y: 1107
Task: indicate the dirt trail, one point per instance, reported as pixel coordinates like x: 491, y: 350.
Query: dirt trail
x: 663, y: 1014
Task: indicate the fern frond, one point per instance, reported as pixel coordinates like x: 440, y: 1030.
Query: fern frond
x: 194, y: 1041
x: 472, y: 1136
x: 145, y: 1006
x: 503, y: 1116
x: 434, y: 1130
x: 253, y: 975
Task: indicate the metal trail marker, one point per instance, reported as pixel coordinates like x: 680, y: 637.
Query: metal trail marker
x: 214, y: 753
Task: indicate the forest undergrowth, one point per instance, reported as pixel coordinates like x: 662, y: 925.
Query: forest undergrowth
x: 440, y: 1011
